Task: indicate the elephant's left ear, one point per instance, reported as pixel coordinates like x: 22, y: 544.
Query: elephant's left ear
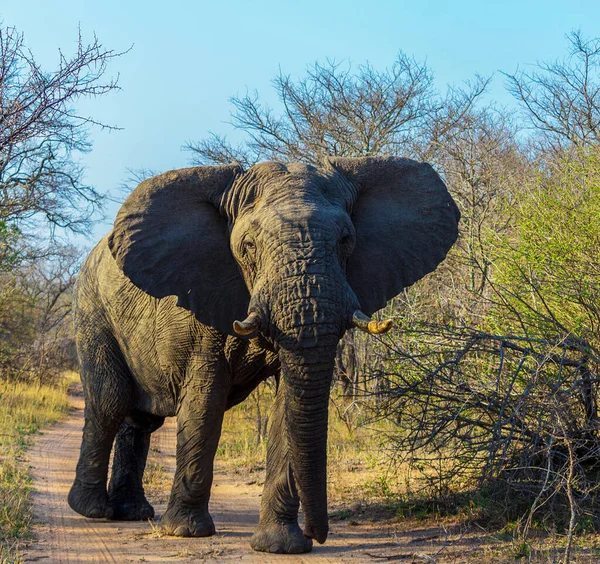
x: 405, y: 220
x: 170, y: 239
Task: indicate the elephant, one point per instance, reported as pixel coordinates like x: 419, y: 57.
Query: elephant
x: 212, y: 280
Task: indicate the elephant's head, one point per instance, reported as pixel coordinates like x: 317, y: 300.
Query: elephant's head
x: 294, y: 251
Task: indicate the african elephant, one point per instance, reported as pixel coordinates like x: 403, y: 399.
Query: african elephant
x: 300, y: 253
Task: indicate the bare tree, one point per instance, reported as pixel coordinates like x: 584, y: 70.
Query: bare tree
x: 332, y: 111
x: 42, y: 189
x: 483, y: 164
x: 561, y: 99
x: 41, y: 131
x: 513, y: 412
x: 134, y: 177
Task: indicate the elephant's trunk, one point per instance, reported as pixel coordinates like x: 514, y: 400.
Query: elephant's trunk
x: 305, y: 311
x: 312, y: 318
x: 306, y: 383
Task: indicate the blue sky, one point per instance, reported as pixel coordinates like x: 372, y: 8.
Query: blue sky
x: 188, y: 58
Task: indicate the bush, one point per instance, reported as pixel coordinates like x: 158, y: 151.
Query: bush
x: 509, y: 407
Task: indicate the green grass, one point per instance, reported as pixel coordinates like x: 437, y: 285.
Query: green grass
x: 24, y: 409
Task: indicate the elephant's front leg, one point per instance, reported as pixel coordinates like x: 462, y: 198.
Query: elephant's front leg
x: 278, y: 530
x: 199, y: 422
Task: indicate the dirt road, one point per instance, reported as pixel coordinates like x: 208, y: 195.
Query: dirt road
x: 65, y: 537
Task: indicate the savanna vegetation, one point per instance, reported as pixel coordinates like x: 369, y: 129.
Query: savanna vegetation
x: 483, y: 400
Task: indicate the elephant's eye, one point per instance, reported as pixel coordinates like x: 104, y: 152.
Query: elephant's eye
x: 346, y: 243
x: 248, y: 248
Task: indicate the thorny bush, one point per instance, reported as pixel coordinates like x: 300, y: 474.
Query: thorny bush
x: 509, y: 416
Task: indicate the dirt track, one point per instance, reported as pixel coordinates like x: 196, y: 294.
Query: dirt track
x: 65, y: 537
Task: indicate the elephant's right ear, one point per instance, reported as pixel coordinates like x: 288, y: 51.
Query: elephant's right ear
x: 169, y: 238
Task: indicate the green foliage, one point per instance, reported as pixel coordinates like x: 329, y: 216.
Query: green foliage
x: 522, y: 550
x: 10, y: 255
x: 498, y: 406
x: 547, y: 270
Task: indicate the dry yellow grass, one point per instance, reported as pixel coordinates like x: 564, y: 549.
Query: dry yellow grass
x: 24, y: 409
x: 357, y: 461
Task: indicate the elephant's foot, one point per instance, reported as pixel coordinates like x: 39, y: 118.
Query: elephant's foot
x: 187, y: 522
x: 280, y: 538
x: 89, y: 501
x: 130, y: 508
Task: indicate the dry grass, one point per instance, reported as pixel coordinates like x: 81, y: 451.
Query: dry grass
x: 243, y: 448
x: 357, y: 461
x: 24, y: 409
x: 157, y: 482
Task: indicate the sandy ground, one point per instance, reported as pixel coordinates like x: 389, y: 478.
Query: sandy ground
x: 65, y: 537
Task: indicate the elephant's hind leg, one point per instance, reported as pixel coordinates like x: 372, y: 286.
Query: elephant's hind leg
x: 127, y: 499
x: 107, y: 389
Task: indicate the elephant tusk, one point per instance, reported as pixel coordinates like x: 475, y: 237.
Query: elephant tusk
x: 368, y: 325
x: 248, y: 326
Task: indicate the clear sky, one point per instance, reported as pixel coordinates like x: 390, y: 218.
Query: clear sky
x: 189, y: 57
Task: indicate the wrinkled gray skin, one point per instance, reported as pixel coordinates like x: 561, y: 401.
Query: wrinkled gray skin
x: 191, y: 251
